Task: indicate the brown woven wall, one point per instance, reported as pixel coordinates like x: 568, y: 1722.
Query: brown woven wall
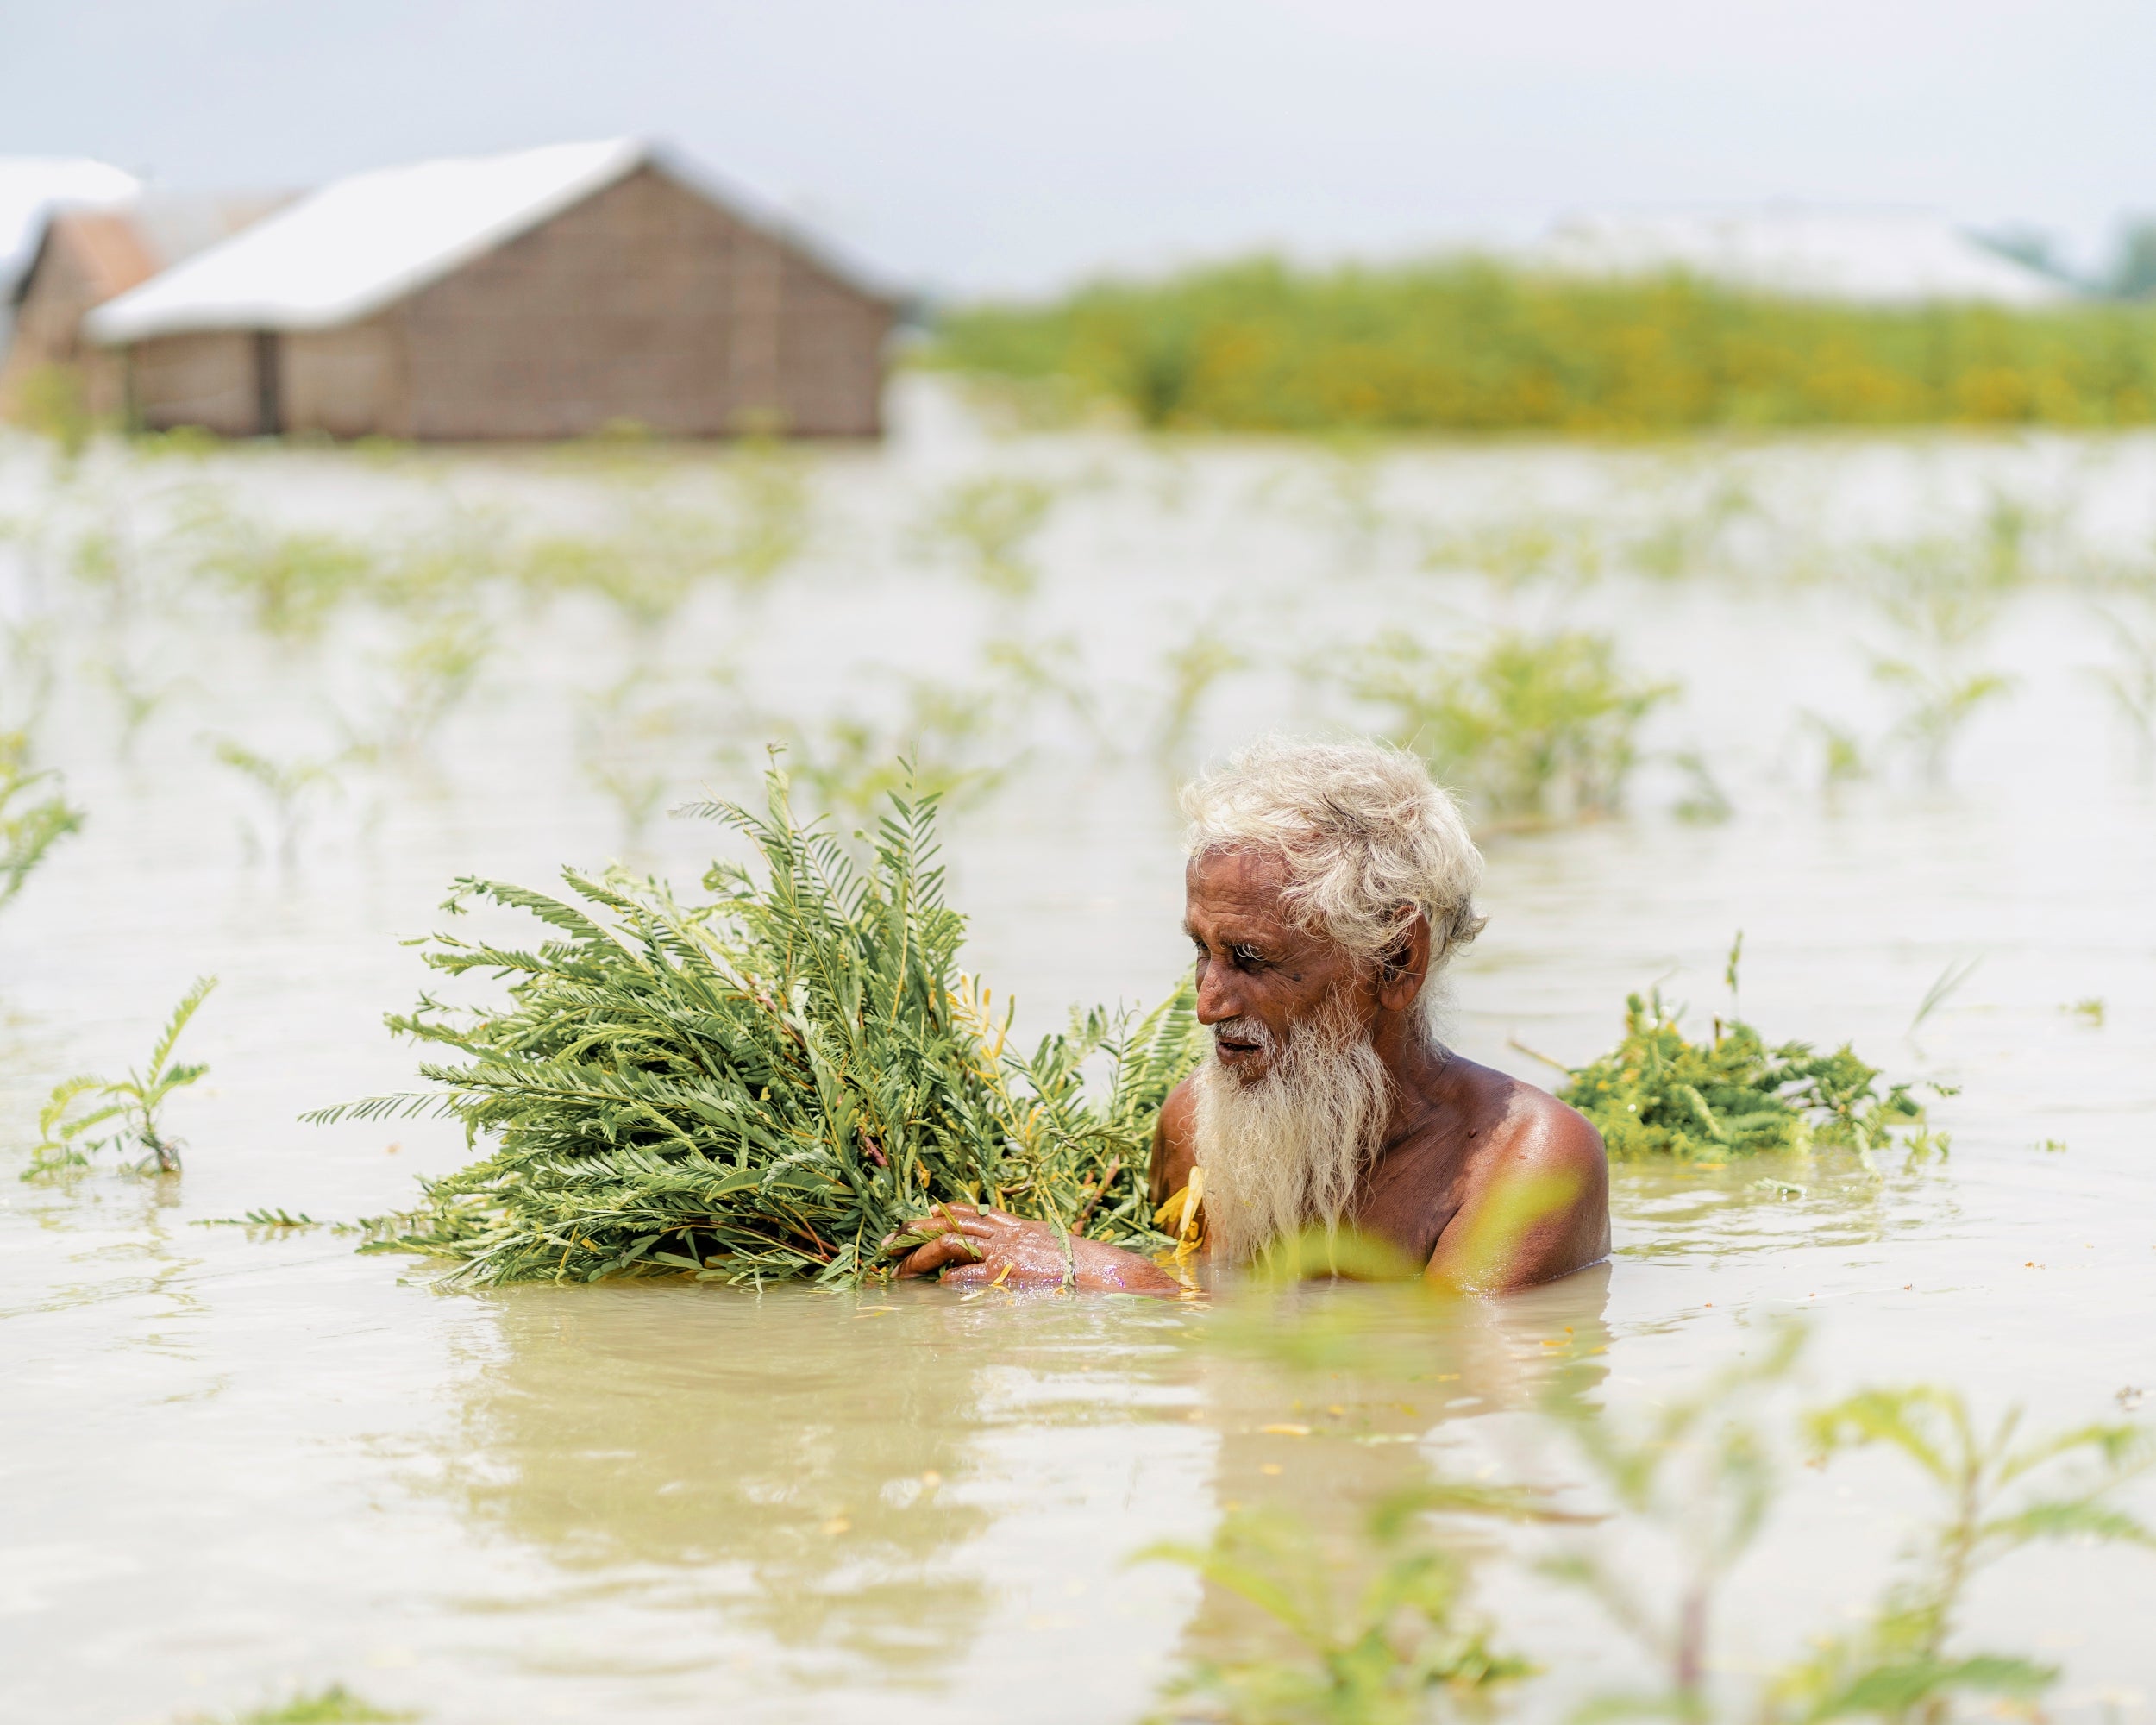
x: 645, y: 303
x: 350, y: 383
x: 83, y: 261
x: 206, y: 380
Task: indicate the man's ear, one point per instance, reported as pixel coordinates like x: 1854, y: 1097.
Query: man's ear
x: 1401, y: 972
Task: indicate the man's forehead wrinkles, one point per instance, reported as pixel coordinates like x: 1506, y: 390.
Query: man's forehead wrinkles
x: 1240, y: 926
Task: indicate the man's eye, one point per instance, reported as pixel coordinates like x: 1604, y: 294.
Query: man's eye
x: 1247, y: 958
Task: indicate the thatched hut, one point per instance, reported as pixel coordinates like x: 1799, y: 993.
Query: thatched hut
x: 548, y: 293
x: 84, y: 258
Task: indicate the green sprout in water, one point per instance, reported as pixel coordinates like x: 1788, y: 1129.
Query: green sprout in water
x: 1378, y: 1655
x: 139, y: 696
x: 990, y: 521
x: 431, y: 674
x: 335, y: 1705
x: 2130, y: 681
x: 1532, y: 728
x: 1841, y: 757
x: 2001, y: 1492
x: 291, y: 787
x: 292, y: 582
x: 78, y: 1106
x: 1192, y: 668
x: 2090, y: 1011
x: 34, y: 814
x: 772, y: 517
x: 1941, y: 600
x: 1699, y: 1472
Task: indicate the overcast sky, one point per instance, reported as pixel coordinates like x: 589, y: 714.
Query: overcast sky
x: 963, y: 144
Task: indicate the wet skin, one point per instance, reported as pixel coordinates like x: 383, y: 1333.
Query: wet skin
x: 1490, y: 1183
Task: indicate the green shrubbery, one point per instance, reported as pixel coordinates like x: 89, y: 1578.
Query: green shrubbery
x: 766, y: 1084
x: 1468, y: 344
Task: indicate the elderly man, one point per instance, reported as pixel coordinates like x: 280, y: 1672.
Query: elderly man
x: 1327, y: 886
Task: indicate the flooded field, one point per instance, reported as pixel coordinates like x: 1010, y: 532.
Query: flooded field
x: 1886, y: 706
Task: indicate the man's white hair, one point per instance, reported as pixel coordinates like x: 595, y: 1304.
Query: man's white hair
x: 1369, y: 837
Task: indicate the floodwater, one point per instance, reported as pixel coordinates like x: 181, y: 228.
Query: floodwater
x: 240, y: 1464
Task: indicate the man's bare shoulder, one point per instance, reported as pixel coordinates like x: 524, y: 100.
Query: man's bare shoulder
x: 1532, y: 1128
x: 1528, y: 1135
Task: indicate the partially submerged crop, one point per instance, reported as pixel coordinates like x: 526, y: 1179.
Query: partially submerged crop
x: 990, y: 522
x: 1658, y: 1093
x: 766, y: 1084
x: 1373, y: 1655
x: 67, y: 1125
x: 1529, y: 728
x: 35, y: 815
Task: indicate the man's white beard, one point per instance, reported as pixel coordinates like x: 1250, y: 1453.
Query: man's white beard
x: 1283, y: 1153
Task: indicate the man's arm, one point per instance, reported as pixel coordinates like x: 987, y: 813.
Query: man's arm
x: 982, y: 1248
x: 978, y: 1248
x: 1537, y: 1209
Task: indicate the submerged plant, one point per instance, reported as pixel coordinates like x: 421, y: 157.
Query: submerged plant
x: 2130, y: 680
x: 766, y: 1084
x: 1699, y: 1471
x: 646, y: 574
x: 1658, y: 1093
x: 78, y: 1106
x: 1941, y: 600
x: 633, y: 738
x: 1678, y: 1493
x: 1938, y: 703
x: 771, y: 520
x: 1518, y: 552
x: 291, y: 581
x: 938, y: 741
x: 990, y: 521
x: 1192, y: 668
x: 1841, y: 756
x: 1377, y: 1654
x: 291, y: 787
x: 34, y: 815
x: 139, y: 696
x: 431, y: 674
x: 1529, y: 728
x: 2000, y: 1492
x: 335, y: 1705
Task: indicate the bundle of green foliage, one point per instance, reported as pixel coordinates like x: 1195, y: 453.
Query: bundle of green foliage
x: 766, y: 1084
x: 1658, y: 1093
x: 1474, y: 344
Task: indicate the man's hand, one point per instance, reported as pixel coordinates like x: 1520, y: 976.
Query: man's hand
x: 985, y: 1248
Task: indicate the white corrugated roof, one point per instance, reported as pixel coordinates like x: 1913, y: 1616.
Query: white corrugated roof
x: 1887, y: 257
x: 32, y: 187
x: 364, y: 242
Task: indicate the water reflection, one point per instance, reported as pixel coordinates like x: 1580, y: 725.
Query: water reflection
x: 1768, y: 1204
x: 797, y: 1453
x: 1331, y: 1398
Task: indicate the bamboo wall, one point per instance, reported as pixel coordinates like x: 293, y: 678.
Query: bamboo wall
x: 645, y: 303
x: 205, y: 378
x: 83, y: 261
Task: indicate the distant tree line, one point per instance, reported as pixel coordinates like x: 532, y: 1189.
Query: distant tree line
x: 1476, y: 345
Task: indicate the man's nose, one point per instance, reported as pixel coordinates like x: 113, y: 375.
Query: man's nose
x: 1217, y: 997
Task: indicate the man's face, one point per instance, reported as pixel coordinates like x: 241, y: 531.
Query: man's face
x: 1259, y: 975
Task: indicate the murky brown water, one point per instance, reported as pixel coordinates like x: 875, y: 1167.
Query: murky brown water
x: 235, y: 1465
